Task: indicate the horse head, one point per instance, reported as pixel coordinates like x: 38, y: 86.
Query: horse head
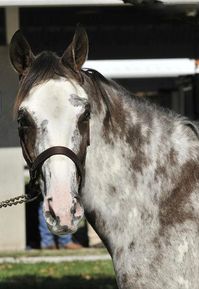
x: 53, y: 112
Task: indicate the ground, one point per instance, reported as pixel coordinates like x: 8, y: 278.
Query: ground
x: 72, y: 275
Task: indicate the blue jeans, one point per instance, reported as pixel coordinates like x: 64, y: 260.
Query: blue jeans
x: 47, y: 238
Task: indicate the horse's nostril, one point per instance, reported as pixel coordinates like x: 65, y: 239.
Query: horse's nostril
x: 52, y: 212
x: 73, y: 210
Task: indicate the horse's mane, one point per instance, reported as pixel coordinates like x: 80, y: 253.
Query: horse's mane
x: 98, y: 80
x: 144, y: 105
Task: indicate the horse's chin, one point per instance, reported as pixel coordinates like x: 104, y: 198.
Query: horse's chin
x: 64, y: 229
x: 61, y: 230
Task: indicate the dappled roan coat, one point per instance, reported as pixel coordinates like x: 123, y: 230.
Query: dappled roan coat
x: 141, y: 175
x: 145, y: 194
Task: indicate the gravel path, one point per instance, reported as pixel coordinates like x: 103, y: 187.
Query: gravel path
x: 53, y: 259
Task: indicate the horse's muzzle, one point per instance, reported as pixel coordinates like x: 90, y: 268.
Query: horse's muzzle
x: 65, y: 220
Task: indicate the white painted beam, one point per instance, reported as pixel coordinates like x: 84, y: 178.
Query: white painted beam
x: 58, y: 2
x: 171, y: 2
x: 144, y: 68
x: 81, y: 2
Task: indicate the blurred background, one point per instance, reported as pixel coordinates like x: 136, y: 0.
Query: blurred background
x: 150, y: 47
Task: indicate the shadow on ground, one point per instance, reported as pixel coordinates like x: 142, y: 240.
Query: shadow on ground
x: 71, y: 282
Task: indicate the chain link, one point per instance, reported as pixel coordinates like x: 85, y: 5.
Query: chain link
x: 18, y: 200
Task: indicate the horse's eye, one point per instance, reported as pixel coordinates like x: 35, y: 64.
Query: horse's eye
x: 85, y: 116
x: 23, y: 123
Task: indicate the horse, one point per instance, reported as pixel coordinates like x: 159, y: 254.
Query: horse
x: 128, y: 166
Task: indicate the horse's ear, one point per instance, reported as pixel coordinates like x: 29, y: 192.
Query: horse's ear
x: 76, y: 53
x: 21, y: 55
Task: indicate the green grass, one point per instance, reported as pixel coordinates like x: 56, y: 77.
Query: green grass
x: 68, y: 275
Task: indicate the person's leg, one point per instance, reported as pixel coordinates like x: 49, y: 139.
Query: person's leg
x: 63, y: 240
x: 47, y: 238
x: 66, y: 242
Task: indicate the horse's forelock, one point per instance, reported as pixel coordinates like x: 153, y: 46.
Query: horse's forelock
x: 46, y: 66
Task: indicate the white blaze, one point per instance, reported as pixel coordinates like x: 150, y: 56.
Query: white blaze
x: 56, y: 117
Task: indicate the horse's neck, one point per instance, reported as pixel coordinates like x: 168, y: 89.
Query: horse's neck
x: 128, y: 169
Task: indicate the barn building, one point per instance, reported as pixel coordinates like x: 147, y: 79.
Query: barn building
x: 150, y: 48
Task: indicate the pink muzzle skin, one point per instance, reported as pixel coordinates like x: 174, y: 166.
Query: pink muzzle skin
x: 63, y: 213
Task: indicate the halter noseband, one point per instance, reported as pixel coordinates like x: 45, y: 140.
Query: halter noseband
x: 55, y: 150
x: 36, y: 165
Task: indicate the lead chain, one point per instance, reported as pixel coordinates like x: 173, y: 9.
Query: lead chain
x: 17, y: 200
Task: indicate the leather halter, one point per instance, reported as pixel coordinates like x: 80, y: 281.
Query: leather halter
x: 36, y: 165
x: 55, y: 150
